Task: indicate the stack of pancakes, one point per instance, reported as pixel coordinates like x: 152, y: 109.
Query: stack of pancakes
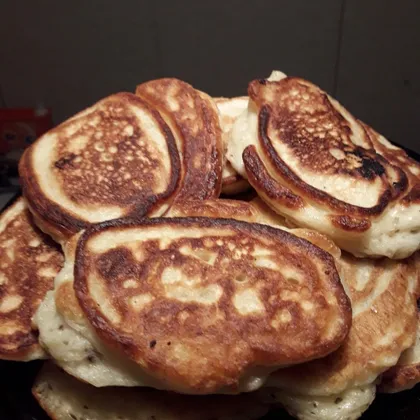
x: 155, y: 296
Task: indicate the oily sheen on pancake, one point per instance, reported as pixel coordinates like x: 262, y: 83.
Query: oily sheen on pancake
x: 194, y: 120
x: 229, y: 110
x: 29, y: 261
x: 384, y: 325
x: 204, y: 304
x: 314, y: 163
x: 64, y: 398
x: 117, y: 158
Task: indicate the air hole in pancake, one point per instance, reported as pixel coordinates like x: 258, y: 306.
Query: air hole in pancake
x: 152, y: 344
x: 241, y: 278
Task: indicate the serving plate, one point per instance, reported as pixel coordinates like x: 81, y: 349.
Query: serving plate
x: 17, y: 403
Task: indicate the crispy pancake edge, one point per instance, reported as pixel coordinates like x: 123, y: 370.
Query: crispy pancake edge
x: 195, y: 184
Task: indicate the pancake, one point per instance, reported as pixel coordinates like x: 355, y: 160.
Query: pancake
x: 406, y: 373
x: 207, y: 331
x: 117, y: 158
x: 194, y: 120
x: 348, y: 405
x: 230, y: 109
x: 64, y: 398
x: 29, y: 261
x: 68, y: 337
x: 314, y: 163
x: 384, y: 325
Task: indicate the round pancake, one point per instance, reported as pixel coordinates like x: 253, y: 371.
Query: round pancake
x: 117, y: 158
x: 194, y: 120
x: 29, y: 261
x: 382, y: 293
x: 229, y: 110
x: 64, y: 398
x: 313, y: 162
x: 204, y: 304
x: 406, y: 373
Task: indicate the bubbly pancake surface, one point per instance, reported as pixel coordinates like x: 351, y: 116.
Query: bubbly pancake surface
x: 115, y: 159
x: 202, y: 302
x: 384, y: 325
x: 65, y: 398
x: 313, y: 162
x: 194, y: 119
x: 29, y: 261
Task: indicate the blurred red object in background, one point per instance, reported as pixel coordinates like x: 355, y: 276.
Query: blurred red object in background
x: 19, y: 127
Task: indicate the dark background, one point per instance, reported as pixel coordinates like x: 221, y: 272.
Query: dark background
x: 68, y: 54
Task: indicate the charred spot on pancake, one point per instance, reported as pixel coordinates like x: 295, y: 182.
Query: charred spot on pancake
x: 370, y: 168
x: 152, y: 344
x: 65, y: 161
x: 115, y: 263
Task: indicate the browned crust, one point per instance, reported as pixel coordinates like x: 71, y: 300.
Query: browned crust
x: 350, y: 224
x: 261, y: 355
x: 400, y: 378
x: 61, y: 222
x: 198, y: 125
x: 261, y: 180
x: 24, y: 281
x: 307, y: 190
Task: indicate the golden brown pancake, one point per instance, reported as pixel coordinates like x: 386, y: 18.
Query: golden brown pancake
x: 217, y: 209
x: 29, y: 261
x: 406, y: 373
x: 194, y: 120
x: 65, y: 398
x: 203, y: 304
x: 384, y: 325
x: 117, y: 158
x: 230, y: 109
x: 66, y: 333
x: 314, y: 163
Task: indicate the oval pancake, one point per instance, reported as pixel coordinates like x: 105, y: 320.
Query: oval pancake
x: 117, y: 158
x: 29, y: 261
x: 229, y: 110
x: 65, y: 398
x: 314, y: 163
x: 194, y: 120
x: 384, y: 325
x: 202, y: 304
x: 61, y: 321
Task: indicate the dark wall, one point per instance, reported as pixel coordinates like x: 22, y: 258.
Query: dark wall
x: 69, y: 54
